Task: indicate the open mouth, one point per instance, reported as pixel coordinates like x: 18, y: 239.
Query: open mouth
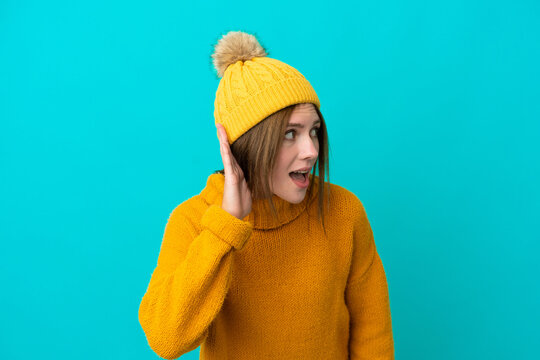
x: 300, y: 179
x: 298, y: 176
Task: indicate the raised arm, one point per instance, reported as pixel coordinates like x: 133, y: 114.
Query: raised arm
x: 192, y: 277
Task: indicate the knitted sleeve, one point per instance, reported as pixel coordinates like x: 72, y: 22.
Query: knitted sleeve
x: 367, y: 297
x: 192, y: 277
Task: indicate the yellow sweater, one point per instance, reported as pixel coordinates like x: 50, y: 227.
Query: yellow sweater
x: 257, y: 288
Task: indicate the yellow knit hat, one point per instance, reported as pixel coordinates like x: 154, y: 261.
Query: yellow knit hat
x: 253, y: 86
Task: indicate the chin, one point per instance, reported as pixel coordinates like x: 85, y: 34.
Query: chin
x: 294, y: 199
x: 294, y: 195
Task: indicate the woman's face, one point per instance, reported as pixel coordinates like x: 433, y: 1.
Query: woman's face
x: 299, y: 150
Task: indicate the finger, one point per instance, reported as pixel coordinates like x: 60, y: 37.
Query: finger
x: 225, y: 141
x: 222, y: 133
x: 231, y: 168
x: 226, y: 158
x: 226, y: 154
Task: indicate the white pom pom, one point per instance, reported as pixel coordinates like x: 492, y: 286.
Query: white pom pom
x: 234, y: 46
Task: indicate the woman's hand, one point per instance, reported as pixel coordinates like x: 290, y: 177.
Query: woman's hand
x: 236, y: 193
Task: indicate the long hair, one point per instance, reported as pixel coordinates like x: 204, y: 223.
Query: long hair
x: 257, y: 149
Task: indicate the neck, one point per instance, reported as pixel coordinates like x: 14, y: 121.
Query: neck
x: 261, y: 215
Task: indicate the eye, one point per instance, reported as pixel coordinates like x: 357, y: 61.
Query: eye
x: 289, y: 132
x: 314, y: 133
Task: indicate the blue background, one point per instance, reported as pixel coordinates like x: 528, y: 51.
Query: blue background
x: 106, y: 113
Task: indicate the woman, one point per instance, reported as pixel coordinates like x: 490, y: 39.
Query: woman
x: 265, y: 263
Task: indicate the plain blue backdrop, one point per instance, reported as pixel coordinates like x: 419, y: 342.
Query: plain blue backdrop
x: 432, y: 108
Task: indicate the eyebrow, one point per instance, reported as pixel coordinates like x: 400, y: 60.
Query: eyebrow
x: 300, y: 125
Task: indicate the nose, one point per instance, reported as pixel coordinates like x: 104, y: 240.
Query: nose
x: 309, y: 148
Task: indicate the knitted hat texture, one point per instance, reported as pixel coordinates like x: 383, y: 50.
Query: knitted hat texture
x: 252, y: 85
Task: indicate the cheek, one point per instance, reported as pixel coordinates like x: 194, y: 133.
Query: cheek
x: 281, y: 162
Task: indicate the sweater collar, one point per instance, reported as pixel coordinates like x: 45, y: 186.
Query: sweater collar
x: 261, y: 217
